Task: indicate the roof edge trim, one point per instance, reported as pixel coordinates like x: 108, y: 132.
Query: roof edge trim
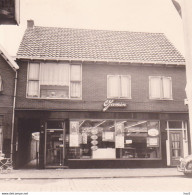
x: 99, y: 60
x: 8, y: 59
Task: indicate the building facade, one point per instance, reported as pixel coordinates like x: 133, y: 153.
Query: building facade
x: 8, y: 70
x: 100, y: 99
x: 9, y: 12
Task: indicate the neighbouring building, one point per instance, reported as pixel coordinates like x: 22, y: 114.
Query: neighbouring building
x: 8, y: 75
x: 9, y: 12
x: 100, y: 98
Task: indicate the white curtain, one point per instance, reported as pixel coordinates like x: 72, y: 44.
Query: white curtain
x: 125, y: 86
x: 75, y: 76
x: 75, y: 89
x: 155, y: 87
x: 113, y: 86
x: 167, y: 87
x: 33, y: 88
x: 75, y: 72
x: 33, y: 80
x: 33, y: 71
x: 54, y: 74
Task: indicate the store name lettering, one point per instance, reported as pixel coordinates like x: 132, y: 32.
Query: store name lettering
x: 110, y: 103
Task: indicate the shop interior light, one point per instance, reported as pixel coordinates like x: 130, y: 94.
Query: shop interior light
x: 139, y: 123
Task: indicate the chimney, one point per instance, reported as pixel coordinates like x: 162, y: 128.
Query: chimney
x: 30, y: 23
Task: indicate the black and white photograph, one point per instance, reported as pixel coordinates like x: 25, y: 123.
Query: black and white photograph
x: 95, y: 96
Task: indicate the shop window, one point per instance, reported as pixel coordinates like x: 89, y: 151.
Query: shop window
x: 119, y: 86
x: 114, y: 139
x: 160, y: 87
x: 54, y: 80
x: 1, y: 84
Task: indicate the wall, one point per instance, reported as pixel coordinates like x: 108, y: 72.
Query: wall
x: 94, y: 82
x: 6, y: 102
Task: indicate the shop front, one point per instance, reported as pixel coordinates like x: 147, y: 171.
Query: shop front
x: 104, y: 139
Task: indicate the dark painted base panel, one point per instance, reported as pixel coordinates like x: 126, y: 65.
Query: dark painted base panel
x: 114, y: 164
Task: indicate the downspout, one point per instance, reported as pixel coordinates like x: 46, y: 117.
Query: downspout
x: 13, y: 116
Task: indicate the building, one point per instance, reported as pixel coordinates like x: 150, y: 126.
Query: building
x: 100, y: 98
x: 8, y: 75
x: 9, y: 12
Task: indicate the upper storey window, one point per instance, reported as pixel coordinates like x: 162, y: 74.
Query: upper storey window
x: 119, y: 86
x: 160, y: 87
x: 54, y: 80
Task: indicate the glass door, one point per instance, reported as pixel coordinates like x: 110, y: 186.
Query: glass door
x: 176, y: 147
x: 54, y: 144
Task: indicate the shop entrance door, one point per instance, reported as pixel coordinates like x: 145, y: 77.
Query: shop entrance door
x: 55, y: 144
x: 176, y: 147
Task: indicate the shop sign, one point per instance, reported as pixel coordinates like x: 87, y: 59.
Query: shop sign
x: 94, y: 131
x: 153, y: 132
x: 94, y: 137
x: 94, y: 148
x: 94, y: 142
x: 110, y: 103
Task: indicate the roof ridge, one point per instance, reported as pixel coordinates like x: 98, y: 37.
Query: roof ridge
x: 89, y: 29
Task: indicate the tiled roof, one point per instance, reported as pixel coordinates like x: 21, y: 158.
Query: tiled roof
x: 83, y: 44
x: 8, y: 59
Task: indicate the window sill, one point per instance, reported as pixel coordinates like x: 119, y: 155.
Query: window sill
x: 37, y: 98
x: 115, y: 98
x: 117, y: 159
x: 161, y: 99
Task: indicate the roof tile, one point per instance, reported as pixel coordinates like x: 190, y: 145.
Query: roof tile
x: 52, y: 42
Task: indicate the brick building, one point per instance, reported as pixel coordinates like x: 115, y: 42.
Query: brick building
x: 100, y: 98
x: 7, y: 90
x: 9, y: 12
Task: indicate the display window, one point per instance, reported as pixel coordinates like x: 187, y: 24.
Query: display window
x: 114, y: 139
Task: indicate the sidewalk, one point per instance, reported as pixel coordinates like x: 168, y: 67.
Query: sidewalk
x: 90, y: 173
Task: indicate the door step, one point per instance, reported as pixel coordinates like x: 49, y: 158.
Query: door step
x: 56, y: 167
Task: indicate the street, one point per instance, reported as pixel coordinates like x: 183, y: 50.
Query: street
x: 140, y: 184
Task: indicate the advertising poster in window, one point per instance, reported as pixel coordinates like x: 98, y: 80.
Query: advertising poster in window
x: 74, y: 140
x: 119, y: 128
x: 108, y: 136
x: 74, y: 127
x: 152, y: 142
x: 119, y: 135
x: 74, y: 134
x: 119, y: 141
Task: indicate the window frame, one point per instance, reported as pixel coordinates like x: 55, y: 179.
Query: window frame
x: 1, y: 84
x: 161, y: 88
x: 159, y: 138
x: 70, y: 98
x: 119, y: 91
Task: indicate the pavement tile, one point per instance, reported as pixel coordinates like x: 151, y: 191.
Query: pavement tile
x: 89, y: 173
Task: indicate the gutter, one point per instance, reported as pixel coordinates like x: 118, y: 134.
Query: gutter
x: 13, y: 116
